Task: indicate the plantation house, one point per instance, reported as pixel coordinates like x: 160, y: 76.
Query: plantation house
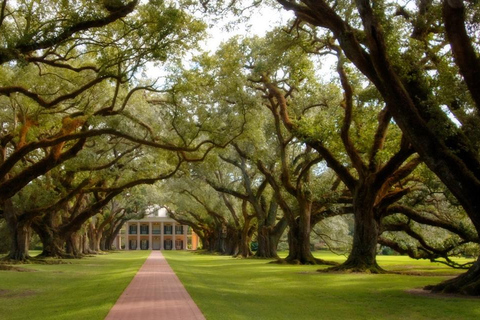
x: 156, y: 231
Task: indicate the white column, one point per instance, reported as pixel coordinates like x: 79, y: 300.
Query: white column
x: 174, y: 236
x: 138, y: 235
x: 162, y: 232
x: 126, y: 237
x: 185, y: 237
x: 150, y: 236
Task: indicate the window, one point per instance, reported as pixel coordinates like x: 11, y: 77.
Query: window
x: 156, y: 229
x: 178, y: 229
x: 178, y: 244
x: 168, y: 230
x: 144, y: 229
x: 132, y: 229
x: 132, y: 244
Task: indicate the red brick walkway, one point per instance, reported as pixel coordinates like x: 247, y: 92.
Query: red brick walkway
x: 155, y: 293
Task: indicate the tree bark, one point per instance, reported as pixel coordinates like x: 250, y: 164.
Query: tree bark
x: 19, y: 233
x: 53, y: 246
x: 113, y: 231
x: 269, y: 233
x: 362, y: 257
x: 299, y: 246
x: 467, y: 283
x: 74, y: 245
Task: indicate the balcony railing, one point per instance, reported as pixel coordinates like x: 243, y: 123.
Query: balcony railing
x: 168, y: 232
x: 156, y: 232
x: 178, y: 232
x: 132, y: 232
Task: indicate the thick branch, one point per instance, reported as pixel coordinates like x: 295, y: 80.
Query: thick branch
x: 463, y: 51
x: 25, y: 48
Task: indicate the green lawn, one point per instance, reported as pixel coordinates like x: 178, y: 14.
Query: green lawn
x: 83, y: 289
x: 228, y: 288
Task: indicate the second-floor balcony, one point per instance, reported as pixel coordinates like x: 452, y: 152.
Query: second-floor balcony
x: 156, y: 231
x: 132, y: 232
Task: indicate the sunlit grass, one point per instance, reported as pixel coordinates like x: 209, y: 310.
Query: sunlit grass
x: 80, y: 289
x: 228, y: 288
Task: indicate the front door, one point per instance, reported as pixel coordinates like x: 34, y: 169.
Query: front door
x: 156, y: 244
x: 133, y: 244
x: 179, y: 244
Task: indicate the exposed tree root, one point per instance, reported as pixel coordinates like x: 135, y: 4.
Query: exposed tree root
x: 311, y: 261
x: 466, y: 284
x: 16, y: 258
x: 351, y: 267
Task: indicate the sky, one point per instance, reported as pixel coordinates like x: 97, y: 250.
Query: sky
x: 260, y: 22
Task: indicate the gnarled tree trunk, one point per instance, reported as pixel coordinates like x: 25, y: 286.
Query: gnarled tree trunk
x: 299, y: 238
x: 362, y: 257
x: 268, y: 236
x: 19, y: 230
x: 74, y: 245
x: 20, y: 235
x: 52, y: 246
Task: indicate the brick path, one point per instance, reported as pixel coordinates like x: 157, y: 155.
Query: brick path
x: 155, y: 293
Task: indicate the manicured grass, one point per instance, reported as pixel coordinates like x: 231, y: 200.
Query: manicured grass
x: 228, y: 288
x: 83, y: 289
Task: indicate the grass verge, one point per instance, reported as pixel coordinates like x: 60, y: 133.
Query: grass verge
x: 79, y: 289
x: 226, y: 288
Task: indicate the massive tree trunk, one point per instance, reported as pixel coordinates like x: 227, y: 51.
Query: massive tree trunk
x: 267, y: 243
x: 74, y: 245
x: 232, y: 242
x: 19, y: 230
x: 215, y: 241
x: 245, y: 233
x: 53, y: 244
x: 362, y: 257
x: 244, y: 248
x: 269, y: 234
x: 20, y: 236
x: 245, y: 239
x: 95, y: 236
x: 112, y: 232
x: 299, y: 245
x: 299, y: 238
